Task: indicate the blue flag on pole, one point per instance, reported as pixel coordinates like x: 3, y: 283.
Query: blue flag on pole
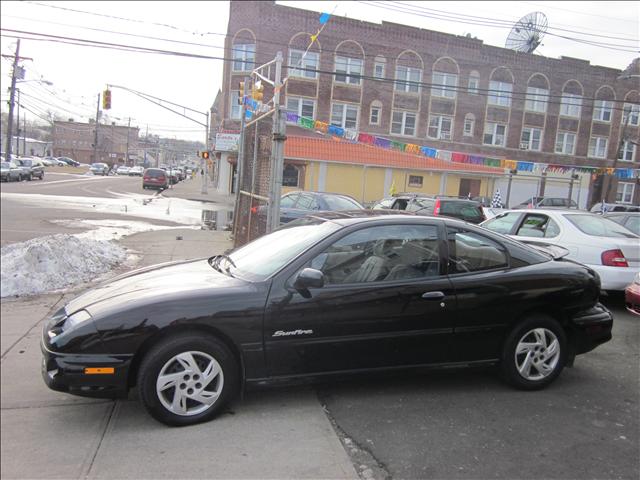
x: 324, y: 18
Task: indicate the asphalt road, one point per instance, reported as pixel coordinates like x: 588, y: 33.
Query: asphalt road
x: 467, y: 424
x: 20, y: 222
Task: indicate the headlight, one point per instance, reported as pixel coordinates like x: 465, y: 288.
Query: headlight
x: 76, y: 319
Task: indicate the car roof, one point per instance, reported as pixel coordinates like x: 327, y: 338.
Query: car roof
x: 352, y: 217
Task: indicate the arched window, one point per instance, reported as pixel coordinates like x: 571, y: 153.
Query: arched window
x: 537, y: 94
x: 500, y: 87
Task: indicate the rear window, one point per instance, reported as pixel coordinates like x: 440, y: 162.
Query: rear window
x: 155, y: 173
x: 465, y: 210
x: 342, y: 203
x: 599, y: 226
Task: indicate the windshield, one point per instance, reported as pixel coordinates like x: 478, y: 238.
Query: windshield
x: 342, y: 203
x: 464, y: 210
x: 599, y: 227
x: 266, y: 255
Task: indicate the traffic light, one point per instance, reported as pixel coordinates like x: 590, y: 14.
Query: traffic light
x: 258, y: 91
x: 106, y: 99
x: 241, y: 94
x: 205, y: 155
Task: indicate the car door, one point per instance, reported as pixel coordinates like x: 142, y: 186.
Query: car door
x: 386, y: 302
x: 487, y: 290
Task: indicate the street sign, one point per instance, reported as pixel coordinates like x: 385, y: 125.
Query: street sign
x: 227, y: 142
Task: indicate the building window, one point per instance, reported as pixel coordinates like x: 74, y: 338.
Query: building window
x: 344, y: 115
x: 536, y: 99
x: 440, y: 127
x: 375, y: 113
x: 500, y: 93
x: 302, y: 107
x: 348, y: 70
x: 404, y: 75
x: 297, y: 64
x: 598, y: 147
x: 602, y: 110
x: 235, y: 107
x: 403, y: 123
x: 474, y: 83
x: 625, y: 192
x: 290, y: 176
x: 415, y: 181
x: 634, y: 112
x: 495, y: 134
x: 469, y: 124
x: 244, y: 56
x: 627, y: 152
x: 571, y: 105
x: 531, y: 139
x: 565, y: 143
x: 378, y: 70
x: 444, y: 85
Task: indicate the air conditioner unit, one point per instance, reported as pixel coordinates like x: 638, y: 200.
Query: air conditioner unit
x: 445, y: 136
x: 524, y: 146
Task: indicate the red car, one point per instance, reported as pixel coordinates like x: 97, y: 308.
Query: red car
x: 155, y: 178
x: 632, y: 296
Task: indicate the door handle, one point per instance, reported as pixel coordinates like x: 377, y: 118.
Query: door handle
x: 433, y: 295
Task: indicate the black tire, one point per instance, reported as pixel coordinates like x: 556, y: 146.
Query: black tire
x: 546, y: 370
x: 30, y: 177
x: 160, y: 356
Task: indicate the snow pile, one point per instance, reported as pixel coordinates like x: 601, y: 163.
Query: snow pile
x: 55, y: 262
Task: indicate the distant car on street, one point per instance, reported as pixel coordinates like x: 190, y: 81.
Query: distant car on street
x: 50, y: 161
x: 69, y: 161
x: 155, y: 178
x: 136, y: 171
x: 10, y: 172
x: 122, y: 170
x: 99, y: 168
x: 31, y: 167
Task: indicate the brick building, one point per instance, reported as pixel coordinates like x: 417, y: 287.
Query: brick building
x: 453, y: 93
x: 75, y: 140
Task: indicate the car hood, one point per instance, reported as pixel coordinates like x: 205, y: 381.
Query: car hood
x: 161, y: 281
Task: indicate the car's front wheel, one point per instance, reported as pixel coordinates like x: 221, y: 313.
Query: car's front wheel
x: 534, y: 353
x: 187, y: 379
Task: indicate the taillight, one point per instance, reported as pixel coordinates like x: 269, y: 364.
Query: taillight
x: 436, y: 207
x: 614, y: 258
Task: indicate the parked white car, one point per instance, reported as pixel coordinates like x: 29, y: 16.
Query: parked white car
x: 601, y: 244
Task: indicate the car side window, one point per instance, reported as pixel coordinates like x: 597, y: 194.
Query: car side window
x: 288, y: 201
x: 307, y: 202
x: 538, y: 225
x: 472, y: 252
x: 400, y: 204
x: 385, y: 253
x: 502, y: 223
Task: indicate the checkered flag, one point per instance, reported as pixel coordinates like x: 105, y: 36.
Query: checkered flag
x: 496, y: 202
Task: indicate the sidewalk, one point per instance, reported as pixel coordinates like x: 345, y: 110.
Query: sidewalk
x: 191, y: 189
x: 275, y: 434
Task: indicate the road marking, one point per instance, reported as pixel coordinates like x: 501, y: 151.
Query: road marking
x: 91, y: 179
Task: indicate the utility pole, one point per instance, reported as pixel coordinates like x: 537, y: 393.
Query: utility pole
x: 205, y: 168
x: 95, y: 139
x: 618, y: 154
x: 12, y: 97
x: 277, y: 152
x: 18, y: 124
x: 126, y: 158
x: 24, y: 134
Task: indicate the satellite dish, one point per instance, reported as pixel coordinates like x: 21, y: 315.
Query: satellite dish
x: 527, y: 33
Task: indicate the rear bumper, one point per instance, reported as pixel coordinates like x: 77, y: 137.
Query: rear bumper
x: 614, y: 278
x: 66, y: 373
x: 590, y: 328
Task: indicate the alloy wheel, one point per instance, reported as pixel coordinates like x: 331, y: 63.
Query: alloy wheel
x: 537, y: 354
x: 190, y: 383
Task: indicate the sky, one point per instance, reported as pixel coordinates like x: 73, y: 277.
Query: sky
x: 79, y: 73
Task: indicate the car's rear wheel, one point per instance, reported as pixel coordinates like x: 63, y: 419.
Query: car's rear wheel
x: 187, y: 379
x: 534, y: 353
x: 29, y: 177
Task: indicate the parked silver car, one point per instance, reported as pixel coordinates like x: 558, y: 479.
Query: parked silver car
x: 9, y: 172
x: 99, y: 168
x: 31, y: 167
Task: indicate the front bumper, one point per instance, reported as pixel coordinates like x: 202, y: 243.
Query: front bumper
x: 66, y: 373
x: 632, y: 298
x: 590, y: 328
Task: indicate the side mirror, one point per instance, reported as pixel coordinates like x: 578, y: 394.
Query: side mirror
x: 309, y: 278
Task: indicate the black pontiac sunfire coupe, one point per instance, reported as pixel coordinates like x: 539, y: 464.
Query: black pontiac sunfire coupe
x: 332, y: 294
